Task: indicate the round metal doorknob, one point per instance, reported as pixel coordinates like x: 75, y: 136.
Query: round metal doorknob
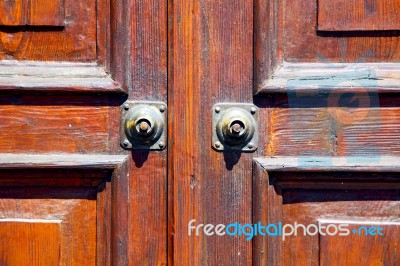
x: 235, y: 127
x: 143, y: 124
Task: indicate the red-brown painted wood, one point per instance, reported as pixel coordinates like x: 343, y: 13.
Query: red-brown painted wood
x: 46, y: 13
x: 43, y: 41
x: 13, y: 13
x: 210, y: 61
x: 370, y: 15
x: 18, y: 237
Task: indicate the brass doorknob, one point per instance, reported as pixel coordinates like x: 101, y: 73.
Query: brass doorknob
x: 144, y: 124
x: 235, y: 127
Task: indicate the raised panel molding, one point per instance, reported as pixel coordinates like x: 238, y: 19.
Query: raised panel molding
x: 46, y: 13
x: 13, y: 13
x: 333, y: 78
x: 97, y: 203
x: 358, y: 15
x: 329, y: 164
x: 293, y: 53
x: 350, y: 190
x: 32, y: 13
x: 19, y: 235
x: 56, y: 76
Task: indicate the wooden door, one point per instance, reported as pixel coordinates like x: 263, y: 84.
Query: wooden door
x: 324, y: 76
x: 69, y: 193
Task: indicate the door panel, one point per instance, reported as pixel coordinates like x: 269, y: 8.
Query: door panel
x: 66, y: 68
x: 354, y: 15
x: 64, y: 225
x: 49, y: 30
x: 324, y: 74
x: 57, y: 209
x: 353, y: 209
x: 326, y: 83
x: 210, y: 62
x: 54, y: 124
x: 18, y: 236
x: 139, y: 65
x: 377, y: 250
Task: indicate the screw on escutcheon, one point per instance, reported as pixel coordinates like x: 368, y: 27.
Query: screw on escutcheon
x: 250, y: 145
x: 125, y: 143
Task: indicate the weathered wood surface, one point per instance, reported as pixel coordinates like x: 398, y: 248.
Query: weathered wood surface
x: 13, y: 13
x: 19, y: 235
x: 370, y: 15
x: 76, y: 235
x: 139, y: 64
x: 46, y: 13
x: 210, y: 61
x: 353, y: 197
x: 329, y: 164
x: 344, y: 125
x: 65, y: 125
x: 286, y: 32
x: 62, y: 161
x: 55, y: 77
x: 50, y: 128
x: 45, y: 40
x: 333, y: 78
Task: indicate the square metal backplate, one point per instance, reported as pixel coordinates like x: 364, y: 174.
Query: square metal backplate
x: 218, y: 110
x: 159, y: 107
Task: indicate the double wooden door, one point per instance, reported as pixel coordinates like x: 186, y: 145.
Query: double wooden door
x: 323, y: 76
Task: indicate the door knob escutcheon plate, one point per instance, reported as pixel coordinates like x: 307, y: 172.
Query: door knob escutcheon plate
x: 143, y: 125
x: 235, y: 127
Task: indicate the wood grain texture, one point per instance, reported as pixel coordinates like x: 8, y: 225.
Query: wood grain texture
x: 139, y: 64
x: 148, y: 209
x: 338, y: 78
x: 104, y: 224
x: 268, y: 51
x: 74, y: 207
x: 46, y: 13
x: 329, y: 164
x: 60, y: 161
x: 286, y: 32
x: 370, y: 207
x: 120, y: 216
x: 328, y: 148
x: 266, y: 198
x: 140, y: 52
x: 370, y: 15
x: 103, y: 34
x: 29, y: 242
x: 53, y: 128
x: 348, y: 124
x: 302, y: 43
x: 13, y: 13
x: 329, y: 198
x: 76, y: 42
x: 210, y: 61
x: 376, y: 250
x: 55, y: 77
